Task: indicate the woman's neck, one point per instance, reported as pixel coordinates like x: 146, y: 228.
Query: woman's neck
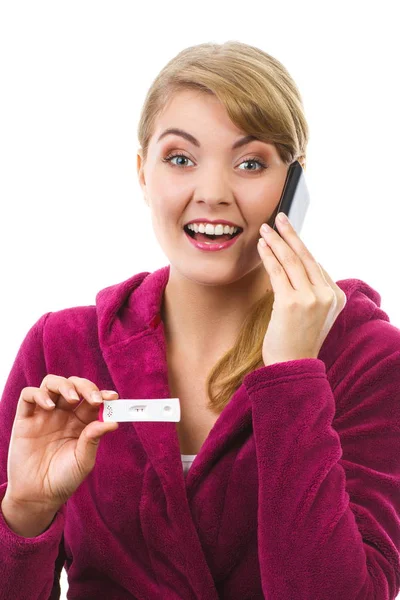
x: 202, y: 322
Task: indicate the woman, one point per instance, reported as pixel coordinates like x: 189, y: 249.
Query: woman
x: 288, y: 384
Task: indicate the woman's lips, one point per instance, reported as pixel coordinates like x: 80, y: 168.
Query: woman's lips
x: 212, y: 245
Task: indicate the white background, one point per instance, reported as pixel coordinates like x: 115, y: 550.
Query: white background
x: 73, y: 79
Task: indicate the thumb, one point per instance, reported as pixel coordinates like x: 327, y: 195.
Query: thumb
x: 89, y: 440
x: 99, y: 430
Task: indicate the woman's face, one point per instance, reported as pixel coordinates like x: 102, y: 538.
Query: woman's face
x: 211, y: 181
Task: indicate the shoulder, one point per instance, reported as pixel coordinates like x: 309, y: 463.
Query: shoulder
x: 363, y: 347
x: 363, y: 318
x: 70, y: 328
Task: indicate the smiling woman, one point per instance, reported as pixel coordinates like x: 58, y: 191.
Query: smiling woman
x: 219, y: 128
x: 294, y: 487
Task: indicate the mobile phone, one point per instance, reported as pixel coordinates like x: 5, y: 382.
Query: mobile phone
x: 295, y: 199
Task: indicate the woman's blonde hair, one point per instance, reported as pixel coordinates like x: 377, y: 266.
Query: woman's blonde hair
x: 261, y: 99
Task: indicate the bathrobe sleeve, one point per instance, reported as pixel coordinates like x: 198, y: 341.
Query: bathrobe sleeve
x: 29, y: 567
x: 329, y: 474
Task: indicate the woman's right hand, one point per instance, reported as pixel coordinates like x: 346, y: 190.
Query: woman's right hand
x: 53, y: 449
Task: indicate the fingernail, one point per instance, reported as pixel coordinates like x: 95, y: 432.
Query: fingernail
x: 282, y: 218
x: 73, y: 395
x: 97, y: 397
x: 109, y: 392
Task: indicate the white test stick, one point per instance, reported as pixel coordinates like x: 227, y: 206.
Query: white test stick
x: 133, y: 410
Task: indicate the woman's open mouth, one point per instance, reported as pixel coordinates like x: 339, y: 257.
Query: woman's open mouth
x: 203, y: 241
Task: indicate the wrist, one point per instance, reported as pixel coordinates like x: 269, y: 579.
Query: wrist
x: 25, y: 519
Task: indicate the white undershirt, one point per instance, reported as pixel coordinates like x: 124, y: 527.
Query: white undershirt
x: 187, y: 460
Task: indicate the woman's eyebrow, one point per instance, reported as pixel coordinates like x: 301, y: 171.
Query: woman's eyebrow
x: 173, y: 130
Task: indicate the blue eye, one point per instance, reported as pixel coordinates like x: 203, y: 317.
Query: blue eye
x: 171, y: 157
x: 253, y: 159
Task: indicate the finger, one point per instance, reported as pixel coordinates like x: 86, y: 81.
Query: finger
x: 88, y: 409
x: 316, y: 273
x: 88, y: 442
x: 311, y: 266
x: 288, y: 238
x: 280, y: 282
x: 67, y: 393
x: 31, y: 398
x: 88, y: 412
x: 62, y: 393
x: 340, y: 294
x: 289, y: 272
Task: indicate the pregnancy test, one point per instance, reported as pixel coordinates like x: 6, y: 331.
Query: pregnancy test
x: 131, y: 410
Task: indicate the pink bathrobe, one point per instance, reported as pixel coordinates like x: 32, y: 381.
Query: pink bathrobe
x: 295, y: 494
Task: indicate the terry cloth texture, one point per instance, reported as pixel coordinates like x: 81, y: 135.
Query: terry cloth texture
x: 295, y: 494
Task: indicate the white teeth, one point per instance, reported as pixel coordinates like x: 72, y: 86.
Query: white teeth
x: 212, y: 229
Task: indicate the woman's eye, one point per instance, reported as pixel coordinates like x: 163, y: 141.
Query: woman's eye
x: 170, y: 158
x: 254, y: 160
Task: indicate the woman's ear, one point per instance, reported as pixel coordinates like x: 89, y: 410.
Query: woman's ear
x: 139, y: 166
x: 140, y: 172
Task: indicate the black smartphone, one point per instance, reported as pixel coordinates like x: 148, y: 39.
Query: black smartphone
x: 294, y: 200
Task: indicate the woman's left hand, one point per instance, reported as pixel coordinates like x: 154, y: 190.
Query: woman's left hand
x: 307, y: 301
